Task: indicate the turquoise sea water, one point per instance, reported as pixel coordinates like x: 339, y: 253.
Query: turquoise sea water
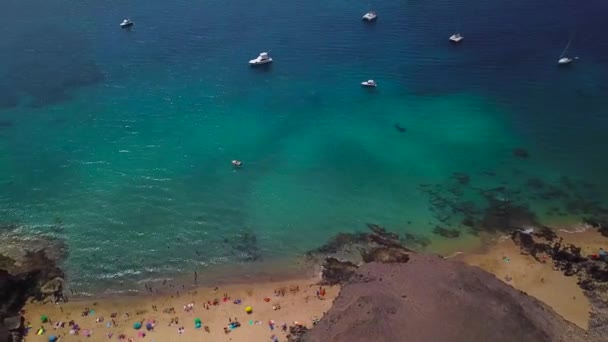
x: 120, y: 141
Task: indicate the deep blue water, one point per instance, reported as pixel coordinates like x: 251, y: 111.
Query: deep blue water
x: 120, y: 141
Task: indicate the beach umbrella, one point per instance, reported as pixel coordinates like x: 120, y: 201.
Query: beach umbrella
x: 149, y: 326
x: 198, y: 325
x: 197, y: 320
x: 52, y: 338
x: 44, y: 318
x: 249, y: 309
x: 137, y: 325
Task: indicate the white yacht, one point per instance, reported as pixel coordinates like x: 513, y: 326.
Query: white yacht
x: 263, y: 58
x: 564, y: 60
x: 237, y: 163
x: 369, y: 84
x: 456, y: 38
x: 126, y: 23
x: 370, y: 16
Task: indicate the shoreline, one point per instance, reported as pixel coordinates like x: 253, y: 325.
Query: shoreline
x: 495, y: 253
x: 298, y: 305
x: 292, y: 268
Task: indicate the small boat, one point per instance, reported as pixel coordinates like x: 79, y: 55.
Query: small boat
x: 126, y: 23
x: 456, y: 38
x: 370, y: 16
x: 263, y: 58
x: 369, y: 84
x: 564, y: 60
x: 237, y: 163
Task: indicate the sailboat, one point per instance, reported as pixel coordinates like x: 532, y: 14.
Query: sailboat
x: 457, y: 37
x: 563, y: 59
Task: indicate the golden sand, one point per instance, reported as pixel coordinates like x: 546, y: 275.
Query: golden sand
x: 540, y: 280
x: 298, y: 304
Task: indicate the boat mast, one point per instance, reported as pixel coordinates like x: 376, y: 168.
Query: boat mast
x: 566, y: 49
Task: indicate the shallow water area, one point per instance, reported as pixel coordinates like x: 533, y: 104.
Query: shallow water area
x: 124, y: 146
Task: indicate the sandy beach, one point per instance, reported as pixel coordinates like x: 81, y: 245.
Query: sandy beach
x: 275, y: 305
x: 540, y: 280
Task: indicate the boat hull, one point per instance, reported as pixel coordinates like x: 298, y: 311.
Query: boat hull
x: 126, y: 25
x: 256, y: 63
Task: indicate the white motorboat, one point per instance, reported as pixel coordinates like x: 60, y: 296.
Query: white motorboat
x: 370, y: 16
x: 237, y: 163
x: 126, y: 23
x: 263, y: 58
x: 369, y: 84
x: 564, y: 60
x: 456, y: 38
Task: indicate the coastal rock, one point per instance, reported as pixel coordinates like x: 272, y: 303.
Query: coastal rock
x: 382, y: 232
x: 446, y: 232
x: 336, y: 271
x: 340, y: 241
x: 13, y: 322
x: 53, y: 286
x: 432, y: 299
x: 386, y: 255
x: 5, y: 334
x: 296, y: 333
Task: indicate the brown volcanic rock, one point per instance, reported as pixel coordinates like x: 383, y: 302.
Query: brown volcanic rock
x: 431, y: 299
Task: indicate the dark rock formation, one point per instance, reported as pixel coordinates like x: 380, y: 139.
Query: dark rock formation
x: 446, y: 232
x: 336, y: 271
x: 432, y: 299
x: 34, y: 276
x: 386, y: 255
x: 296, y: 333
x: 400, y: 129
x: 592, y: 272
x: 521, y: 153
x: 461, y: 178
x: 601, y: 226
x: 382, y: 232
x: 13, y: 323
x: 339, y: 242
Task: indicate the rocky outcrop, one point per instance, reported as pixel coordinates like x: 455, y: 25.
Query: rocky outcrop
x: 26, y: 273
x: 336, y: 271
x: 378, y: 246
x: 591, y: 271
x: 433, y: 299
x: 386, y: 255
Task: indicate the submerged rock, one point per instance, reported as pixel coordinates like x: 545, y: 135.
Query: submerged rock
x: 446, y: 232
x: 400, y: 129
x: 520, y: 153
x: 339, y: 242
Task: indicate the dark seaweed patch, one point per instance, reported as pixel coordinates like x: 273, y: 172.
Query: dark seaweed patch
x: 521, y: 153
x: 49, y: 74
